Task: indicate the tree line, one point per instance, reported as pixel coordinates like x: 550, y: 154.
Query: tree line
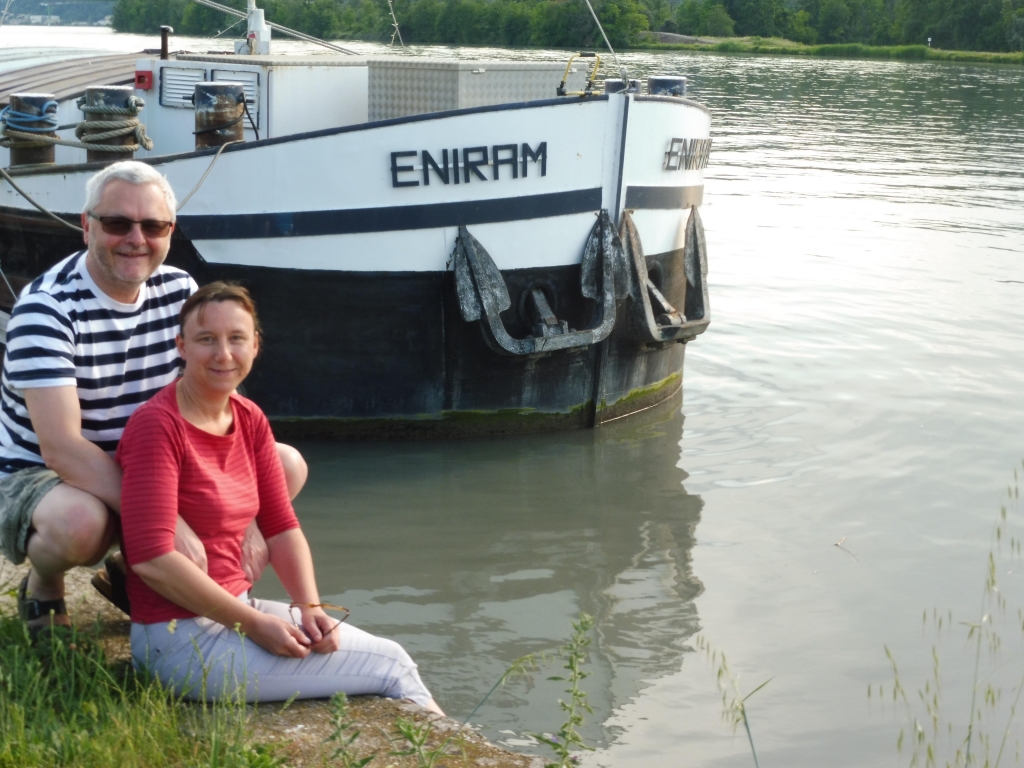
x: 980, y: 25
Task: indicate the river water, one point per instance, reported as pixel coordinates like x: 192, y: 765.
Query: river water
x: 861, y: 384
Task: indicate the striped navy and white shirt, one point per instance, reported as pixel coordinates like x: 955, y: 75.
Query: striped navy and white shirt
x: 65, y: 331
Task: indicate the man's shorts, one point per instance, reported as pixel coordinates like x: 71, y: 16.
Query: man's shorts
x: 20, y: 494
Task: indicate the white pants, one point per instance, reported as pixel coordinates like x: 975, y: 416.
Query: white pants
x: 199, y: 658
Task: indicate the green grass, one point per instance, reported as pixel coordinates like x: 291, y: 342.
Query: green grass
x: 63, y: 703
x: 780, y: 47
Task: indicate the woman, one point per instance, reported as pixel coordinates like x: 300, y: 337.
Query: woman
x: 199, y: 450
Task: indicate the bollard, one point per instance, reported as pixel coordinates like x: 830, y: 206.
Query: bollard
x: 665, y: 85
x: 22, y: 150
x: 220, y: 109
x: 617, y: 85
x: 107, y: 96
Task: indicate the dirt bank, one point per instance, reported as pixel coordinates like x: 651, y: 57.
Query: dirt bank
x: 301, y: 729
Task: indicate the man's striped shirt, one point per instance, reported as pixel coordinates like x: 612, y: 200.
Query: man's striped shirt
x: 65, y: 331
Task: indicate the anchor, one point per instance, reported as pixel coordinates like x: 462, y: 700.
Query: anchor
x: 483, y: 295
x: 655, y: 321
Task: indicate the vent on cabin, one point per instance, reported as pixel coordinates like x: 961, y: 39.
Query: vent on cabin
x: 251, y: 84
x: 177, y: 86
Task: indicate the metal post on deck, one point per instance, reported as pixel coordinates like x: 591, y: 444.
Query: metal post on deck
x: 165, y: 33
x: 220, y: 107
x: 98, y: 97
x: 23, y: 106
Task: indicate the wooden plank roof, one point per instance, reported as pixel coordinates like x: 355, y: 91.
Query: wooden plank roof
x: 69, y: 79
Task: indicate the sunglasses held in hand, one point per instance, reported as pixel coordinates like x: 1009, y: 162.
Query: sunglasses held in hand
x: 119, y: 226
x: 326, y: 607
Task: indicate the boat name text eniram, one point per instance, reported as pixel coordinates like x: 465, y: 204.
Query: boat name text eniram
x: 453, y: 168
x: 687, y: 154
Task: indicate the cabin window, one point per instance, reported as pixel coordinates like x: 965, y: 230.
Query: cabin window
x: 177, y: 86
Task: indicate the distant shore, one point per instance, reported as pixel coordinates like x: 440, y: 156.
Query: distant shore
x: 664, y: 41
x: 668, y: 42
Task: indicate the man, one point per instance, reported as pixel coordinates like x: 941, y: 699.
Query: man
x: 88, y: 342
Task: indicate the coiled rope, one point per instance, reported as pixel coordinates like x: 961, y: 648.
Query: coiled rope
x: 18, y: 133
x: 19, y: 121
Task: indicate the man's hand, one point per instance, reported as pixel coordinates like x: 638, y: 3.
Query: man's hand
x: 186, y: 542
x: 255, y: 554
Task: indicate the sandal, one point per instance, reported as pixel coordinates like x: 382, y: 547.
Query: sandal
x: 31, y: 609
x: 110, y: 582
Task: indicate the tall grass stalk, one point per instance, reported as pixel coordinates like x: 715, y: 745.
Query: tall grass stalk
x: 734, y: 703
x: 344, y: 735
x: 939, y: 743
x: 575, y: 655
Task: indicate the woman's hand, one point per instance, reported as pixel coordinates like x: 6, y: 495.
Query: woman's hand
x: 289, y: 554
x: 277, y: 636
x: 321, y: 629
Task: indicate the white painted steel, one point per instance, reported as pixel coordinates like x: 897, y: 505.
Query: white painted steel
x: 549, y: 242
x: 652, y: 126
x: 661, y: 231
x: 352, y: 170
x: 312, y: 98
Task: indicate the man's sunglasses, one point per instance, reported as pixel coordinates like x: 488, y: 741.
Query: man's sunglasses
x: 119, y: 226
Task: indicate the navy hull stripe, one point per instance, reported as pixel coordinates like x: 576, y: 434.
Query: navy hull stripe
x: 664, y: 198
x: 392, y: 219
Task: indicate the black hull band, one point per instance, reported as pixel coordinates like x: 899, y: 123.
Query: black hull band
x: 387, y: 355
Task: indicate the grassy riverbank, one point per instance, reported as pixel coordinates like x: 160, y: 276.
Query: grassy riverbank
x: 781, y: 47
x: 74, y: 700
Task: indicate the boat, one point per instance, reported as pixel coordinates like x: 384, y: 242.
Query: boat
x: 437, y: 246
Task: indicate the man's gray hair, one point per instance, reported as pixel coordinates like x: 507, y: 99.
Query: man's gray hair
x: 133, y: 172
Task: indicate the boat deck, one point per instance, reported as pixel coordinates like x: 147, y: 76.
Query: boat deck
x: 68, y: 78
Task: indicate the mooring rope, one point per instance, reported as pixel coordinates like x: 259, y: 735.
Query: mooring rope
x: 210, y: 168
x: 24, y: 194
x: 622, y: 69
x: 69, y: 225
x: 20, y: 120
x: 17, y: 134
x: 96, y: 130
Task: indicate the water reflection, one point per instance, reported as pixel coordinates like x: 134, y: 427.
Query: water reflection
x: 474, y: 553
x: 861, y: 380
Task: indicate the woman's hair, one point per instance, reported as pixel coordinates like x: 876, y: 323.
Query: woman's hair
x: 135, y: 173
x: 217, y: 292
